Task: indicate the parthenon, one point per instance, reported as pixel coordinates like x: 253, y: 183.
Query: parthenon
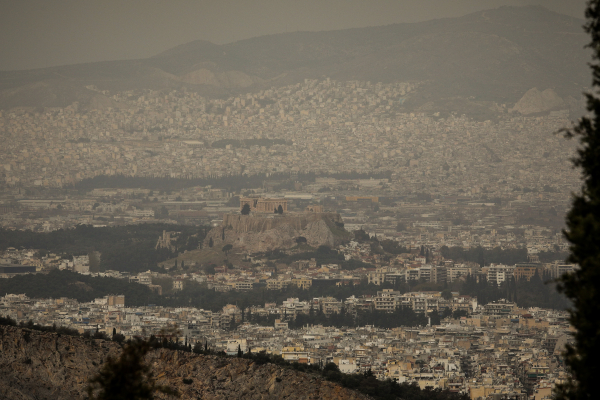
x: 258, y: 204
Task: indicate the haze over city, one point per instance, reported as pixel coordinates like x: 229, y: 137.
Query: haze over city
x: 300, y: 199
x: 37, y: 34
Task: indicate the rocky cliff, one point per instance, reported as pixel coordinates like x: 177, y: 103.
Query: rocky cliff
x: 35, y: 365
x: 535, y: 101
x: 265, y: 232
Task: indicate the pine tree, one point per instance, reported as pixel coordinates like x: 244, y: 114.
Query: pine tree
x: 127, y: 377
x: 245, y: 209
x: 480, y: 257
x: 226, y: 249
x: 583, y: 232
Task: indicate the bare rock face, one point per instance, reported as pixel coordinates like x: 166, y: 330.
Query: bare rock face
x: 264, y: 232
x: 317, y: 233
x: 35, y: 365
x: 281, y: 236
x: 535, y: 101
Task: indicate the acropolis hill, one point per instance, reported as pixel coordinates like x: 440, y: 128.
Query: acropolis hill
x: 265, y: 230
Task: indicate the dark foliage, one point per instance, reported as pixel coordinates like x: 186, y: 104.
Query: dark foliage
x: 583, y: 232
x: 361, y: 236
x: 540, y: 291
x: 129, y: 248
x: 83, y: 288
x: 392, y: 247
x: 127, y: 377
x: 532, y: 293
x: 226, y: 249
x: 325, y: 256
x: 550, y: 256
x: 233, y: 183
x: 198, y: 295
x: 7, y: 321
x: 401, y: 317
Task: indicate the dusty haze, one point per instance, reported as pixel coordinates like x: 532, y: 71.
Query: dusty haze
x: 37, y: 34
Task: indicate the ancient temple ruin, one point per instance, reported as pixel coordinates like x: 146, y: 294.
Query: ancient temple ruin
x: 259, y: 204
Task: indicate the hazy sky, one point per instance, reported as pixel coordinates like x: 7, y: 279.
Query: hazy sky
x: 41, y: 33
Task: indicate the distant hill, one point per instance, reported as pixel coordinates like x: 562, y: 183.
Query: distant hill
x: 494, y: 55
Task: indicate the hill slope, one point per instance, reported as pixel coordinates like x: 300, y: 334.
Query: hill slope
x: 35, y: 365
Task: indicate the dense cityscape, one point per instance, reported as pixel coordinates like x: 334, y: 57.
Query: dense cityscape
x: 421, y: 181
x: 416, y: 233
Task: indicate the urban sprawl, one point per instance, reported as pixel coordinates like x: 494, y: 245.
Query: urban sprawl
x: 426, y: 181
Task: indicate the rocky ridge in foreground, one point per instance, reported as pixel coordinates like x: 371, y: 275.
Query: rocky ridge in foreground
x: 42, y: 365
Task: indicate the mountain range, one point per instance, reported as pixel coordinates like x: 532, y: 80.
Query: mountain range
x: 488, y: 56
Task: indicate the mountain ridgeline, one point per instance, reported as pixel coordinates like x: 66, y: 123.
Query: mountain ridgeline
x: 488, y: 56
